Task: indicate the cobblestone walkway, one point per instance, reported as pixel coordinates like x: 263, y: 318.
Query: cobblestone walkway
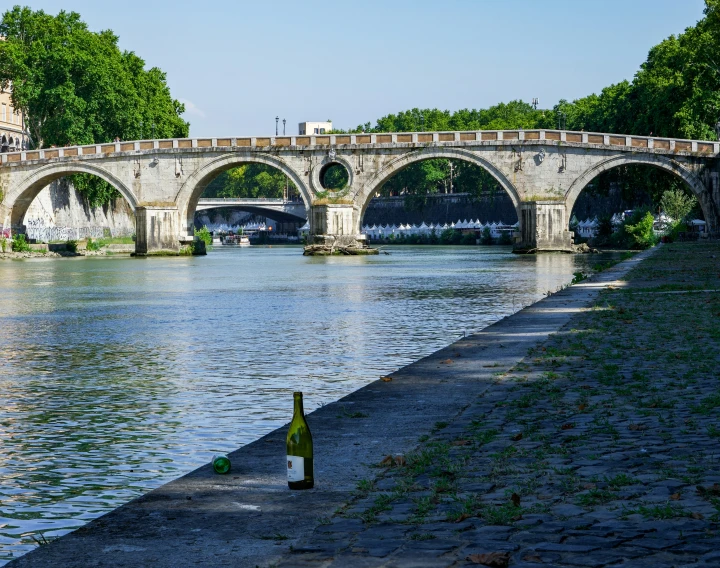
x: 600, y: 448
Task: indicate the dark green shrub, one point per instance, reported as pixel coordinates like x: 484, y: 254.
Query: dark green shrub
x: 204, y: 235
x: 19, y: 244
x: 636, y: 231
x: 71, y: 246
x: 486, y: 237
x: 92, y: 245
x: 506, y: 238
x: 468, y: 239
x: 642, y: 232
x: 446, y: 236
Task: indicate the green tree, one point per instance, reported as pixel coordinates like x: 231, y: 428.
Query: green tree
x: 677, y: 204
x: 250, y: 180
x: 642, y: 232
x: 75, y: 86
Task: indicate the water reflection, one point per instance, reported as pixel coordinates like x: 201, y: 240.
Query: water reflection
x: 120, y: 374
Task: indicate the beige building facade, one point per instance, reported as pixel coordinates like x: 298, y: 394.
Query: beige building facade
x: 12, y: 131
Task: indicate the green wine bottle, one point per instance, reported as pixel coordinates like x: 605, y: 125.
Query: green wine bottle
x: 221, y: 463
x: 299, y: 449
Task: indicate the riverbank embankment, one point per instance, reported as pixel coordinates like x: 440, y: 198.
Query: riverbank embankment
x: 438, y: 414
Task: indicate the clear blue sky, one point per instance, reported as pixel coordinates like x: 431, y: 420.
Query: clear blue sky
x: 238, y: 64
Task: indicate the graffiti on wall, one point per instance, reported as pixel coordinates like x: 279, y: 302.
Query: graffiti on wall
x: 37, y: 230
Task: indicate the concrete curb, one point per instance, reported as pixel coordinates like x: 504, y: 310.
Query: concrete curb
x: 249, y: 518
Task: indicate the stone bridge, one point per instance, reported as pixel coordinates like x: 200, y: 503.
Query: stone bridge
x: 543, y: 172
x: 278, y: 209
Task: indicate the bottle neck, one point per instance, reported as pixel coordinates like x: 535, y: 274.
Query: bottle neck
x: 298, y: 408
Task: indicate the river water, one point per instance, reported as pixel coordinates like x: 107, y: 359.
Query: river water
x: 119, y: 374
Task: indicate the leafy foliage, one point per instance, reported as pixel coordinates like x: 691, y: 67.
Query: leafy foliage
x: 676, y: 92
x: 677, y: 204
x: 335, y: 177
x: 19, y: 244
x: 637, y: 231
x: 204, y: 235
x: 75, y: 86
x: 93, y: 245
x: 250, y: 181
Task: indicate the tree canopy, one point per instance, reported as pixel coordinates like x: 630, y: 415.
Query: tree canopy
x: 250, y: 180
x: 675, y: 93
x: 75, y: 86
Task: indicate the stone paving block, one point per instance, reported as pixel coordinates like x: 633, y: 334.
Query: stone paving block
x: 564, y: 547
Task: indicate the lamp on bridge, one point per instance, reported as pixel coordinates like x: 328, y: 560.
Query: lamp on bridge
x: 284, y: 126
x: 277, y: 119
x: 562, y: 120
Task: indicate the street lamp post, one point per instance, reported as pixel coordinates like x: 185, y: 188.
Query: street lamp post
x: 562, y: 120
x: 452, y: 167
x: 277, y: 119
x: 284, y: 127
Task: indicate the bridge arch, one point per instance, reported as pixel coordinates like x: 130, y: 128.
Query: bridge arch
x: 656, y: 160
x: 190, y: 192
x: 22, y: 194
x: 363, y: 196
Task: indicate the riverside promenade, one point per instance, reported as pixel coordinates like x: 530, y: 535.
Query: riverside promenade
x: 581, y: 431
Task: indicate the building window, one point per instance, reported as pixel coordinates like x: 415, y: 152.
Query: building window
x: 316, y: 130
x: 3, y: 116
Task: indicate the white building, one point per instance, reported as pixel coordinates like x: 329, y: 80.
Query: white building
x: 309, y: 128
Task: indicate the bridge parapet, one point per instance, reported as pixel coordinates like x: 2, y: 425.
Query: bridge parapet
x: 394, y: 139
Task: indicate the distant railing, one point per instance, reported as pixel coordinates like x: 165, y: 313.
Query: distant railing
x: 266, y: 200
x: 702, y: 147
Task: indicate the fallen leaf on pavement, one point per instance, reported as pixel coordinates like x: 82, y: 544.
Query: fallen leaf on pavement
x: 387, y: 461
x: 675, y: 496
x: 589, y: 486
x: 493, y: 559
x: 582, y: 407
x: 400, y: 460
x: 517, y: 437
x: 446, y: 362
x: 637, y: 427
x: 697, y: 516
x: 515, y: 498
x: 462, y: 517
x: 532, y: 558
x: 386, y: 379
x: 461, y: 443
x: 567, y: 426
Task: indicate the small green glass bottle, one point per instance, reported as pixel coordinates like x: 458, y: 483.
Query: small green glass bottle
x: 299, y: 449
x: 221, y: 463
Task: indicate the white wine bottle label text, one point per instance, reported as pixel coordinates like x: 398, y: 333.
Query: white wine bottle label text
x: 295, y: 468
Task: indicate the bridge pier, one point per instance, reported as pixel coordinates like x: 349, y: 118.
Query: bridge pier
x: 335, y: 224
x: 543, y: 227
x: 156, y: 230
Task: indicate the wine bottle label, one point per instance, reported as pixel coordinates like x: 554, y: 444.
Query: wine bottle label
x: 296, y: 468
